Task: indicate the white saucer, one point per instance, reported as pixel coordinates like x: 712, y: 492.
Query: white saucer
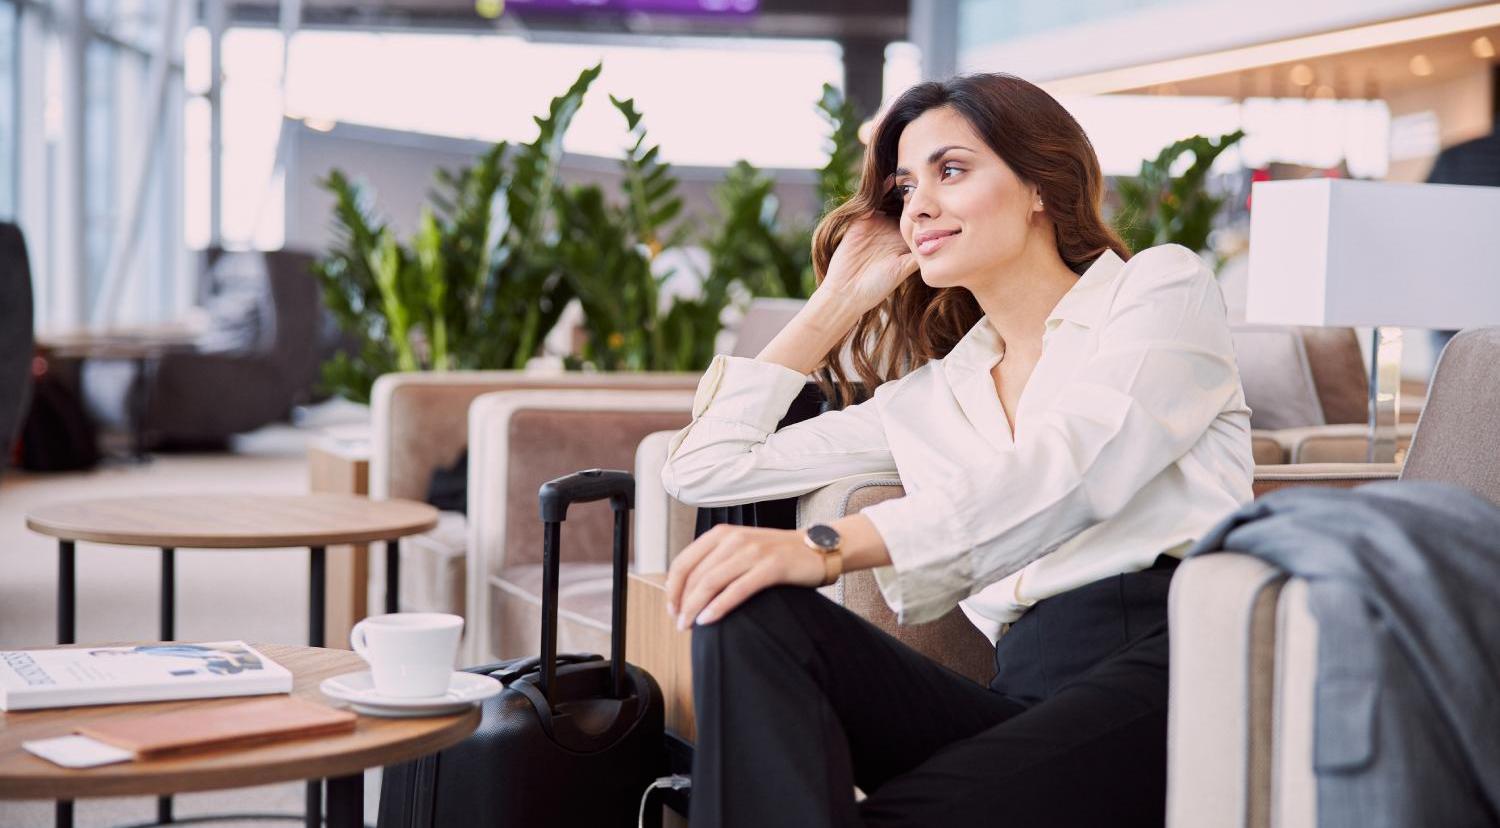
x: 358, y: 689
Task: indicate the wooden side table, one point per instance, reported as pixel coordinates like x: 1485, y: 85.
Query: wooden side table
x: 334, y: 468
x: 653, y: 643
x: 339, y: 758
x: 170, y: 522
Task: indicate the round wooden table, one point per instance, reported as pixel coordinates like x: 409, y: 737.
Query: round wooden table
x: 340, y: 758
x: 227, y: 521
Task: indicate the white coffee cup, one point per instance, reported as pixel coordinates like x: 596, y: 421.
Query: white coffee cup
x: 411, y: 654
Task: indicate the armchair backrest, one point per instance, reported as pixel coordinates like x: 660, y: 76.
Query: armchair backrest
x: 1277, y: 377
x: 17, y: 337
x: 1456, y: 440
x: 421, y: 419
x: 1296, y: 377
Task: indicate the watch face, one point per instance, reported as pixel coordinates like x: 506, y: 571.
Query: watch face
x: 823, y: 536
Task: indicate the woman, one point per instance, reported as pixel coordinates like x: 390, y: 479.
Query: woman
x: 1065, y: 424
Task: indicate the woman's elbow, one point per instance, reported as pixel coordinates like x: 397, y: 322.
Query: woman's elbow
x: 688, y: 483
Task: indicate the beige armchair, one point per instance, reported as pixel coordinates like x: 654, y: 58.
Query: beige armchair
x: 1244, y: 641
x: 518, y: 440
x: 421, y: 423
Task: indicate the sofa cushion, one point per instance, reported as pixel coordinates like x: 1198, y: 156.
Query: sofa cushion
x: 584, y: 591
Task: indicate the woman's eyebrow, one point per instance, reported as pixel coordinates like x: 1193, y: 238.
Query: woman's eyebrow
x: 933, y: 157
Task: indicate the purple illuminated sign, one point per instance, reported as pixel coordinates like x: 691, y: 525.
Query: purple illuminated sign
x: 689, y: 7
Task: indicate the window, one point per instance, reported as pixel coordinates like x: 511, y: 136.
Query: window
x: 10, y: 62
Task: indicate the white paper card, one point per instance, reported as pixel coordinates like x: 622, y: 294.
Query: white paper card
x: 77, y: 752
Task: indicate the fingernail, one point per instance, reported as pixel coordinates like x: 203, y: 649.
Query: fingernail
x: 671, y: 608
x: 682, y: 622
x: 707, y: 617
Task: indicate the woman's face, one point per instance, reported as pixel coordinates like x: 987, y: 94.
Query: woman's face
x: 964, y: 213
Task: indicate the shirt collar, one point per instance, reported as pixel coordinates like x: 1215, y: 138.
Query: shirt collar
x: 1087, y: 300
x: 1084, y: 304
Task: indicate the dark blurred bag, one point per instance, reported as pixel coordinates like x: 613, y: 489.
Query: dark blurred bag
x: 572, y: 740
x: 57, y: 434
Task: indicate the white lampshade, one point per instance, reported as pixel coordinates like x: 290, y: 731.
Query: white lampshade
x: 1365, y: 253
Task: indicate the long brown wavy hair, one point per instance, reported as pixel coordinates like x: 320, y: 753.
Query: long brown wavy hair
x: 1042, y: 144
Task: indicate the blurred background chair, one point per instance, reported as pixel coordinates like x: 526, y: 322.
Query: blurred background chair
x: 259, y: 355
x: 1244, y: 655
x: 17, y: 337
x: 1308, y: 392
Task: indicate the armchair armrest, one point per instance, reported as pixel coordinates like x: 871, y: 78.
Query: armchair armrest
x: 952, y: 640
x: 1222, y: 610
x: 664, y: 525
x: 521, y: 439
x: 1338, y: 475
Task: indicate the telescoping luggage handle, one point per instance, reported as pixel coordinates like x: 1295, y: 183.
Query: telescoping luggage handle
x: 556, y: 496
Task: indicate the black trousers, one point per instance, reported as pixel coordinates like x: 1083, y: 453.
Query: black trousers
x: 799, y: 700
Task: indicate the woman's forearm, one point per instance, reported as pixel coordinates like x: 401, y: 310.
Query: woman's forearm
x: 821, y: 324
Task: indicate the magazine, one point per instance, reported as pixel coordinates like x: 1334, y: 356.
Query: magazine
x: 74, y: 676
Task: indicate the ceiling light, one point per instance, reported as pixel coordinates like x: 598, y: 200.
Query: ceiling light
x: 1279, y: 52
x: 1420, y: 66
x: 1482, y: 47
x: 1302, y: 75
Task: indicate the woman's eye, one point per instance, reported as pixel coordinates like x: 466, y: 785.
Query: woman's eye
x: 904, y: 189
x: 951, y: 167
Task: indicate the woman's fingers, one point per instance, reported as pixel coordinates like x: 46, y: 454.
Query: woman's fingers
x: 737, y: 592
x: 710, y: 577
x: 686, y: 561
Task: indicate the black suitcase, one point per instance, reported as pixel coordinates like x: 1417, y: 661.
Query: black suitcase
x: 572, y: 740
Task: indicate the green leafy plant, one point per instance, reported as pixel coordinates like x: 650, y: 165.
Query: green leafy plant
x: 774, y: 257
x: 611, y: 255
x: 476, y: 287
x: 1157, y: 207
x: 504, y: 247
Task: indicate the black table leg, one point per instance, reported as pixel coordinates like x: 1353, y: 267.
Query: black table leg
x: 314, y: 816
x: 168, y: 594
x: 346, y: 801
x: 317, y: 576
x: 393, y: 575
x: 168, y: 633
x: 66, y: 592
x: 317, y: 579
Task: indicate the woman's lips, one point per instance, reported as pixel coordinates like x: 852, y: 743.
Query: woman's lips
x: 930, y: 245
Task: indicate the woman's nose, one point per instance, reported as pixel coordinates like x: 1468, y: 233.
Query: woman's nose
x: 920, y: 204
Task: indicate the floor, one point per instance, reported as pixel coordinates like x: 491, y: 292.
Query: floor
x: 257, y: 596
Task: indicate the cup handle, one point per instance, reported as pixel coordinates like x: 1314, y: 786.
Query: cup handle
x: 357, y: 640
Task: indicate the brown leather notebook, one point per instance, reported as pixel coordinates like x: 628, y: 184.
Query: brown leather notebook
x: 203, y: 727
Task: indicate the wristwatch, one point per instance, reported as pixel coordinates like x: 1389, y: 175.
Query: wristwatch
x: 825, y: 540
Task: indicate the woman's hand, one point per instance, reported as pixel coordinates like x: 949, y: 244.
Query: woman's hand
x: 728, y: 564
x: 870, y: 262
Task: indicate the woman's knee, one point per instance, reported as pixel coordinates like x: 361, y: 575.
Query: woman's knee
x: 772, y: 615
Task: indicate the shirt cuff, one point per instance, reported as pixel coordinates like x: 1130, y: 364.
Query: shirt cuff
x: 930, y: 567
x: 747, y: 391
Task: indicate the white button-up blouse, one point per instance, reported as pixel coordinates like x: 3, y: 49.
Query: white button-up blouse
x: 1132, y: 438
